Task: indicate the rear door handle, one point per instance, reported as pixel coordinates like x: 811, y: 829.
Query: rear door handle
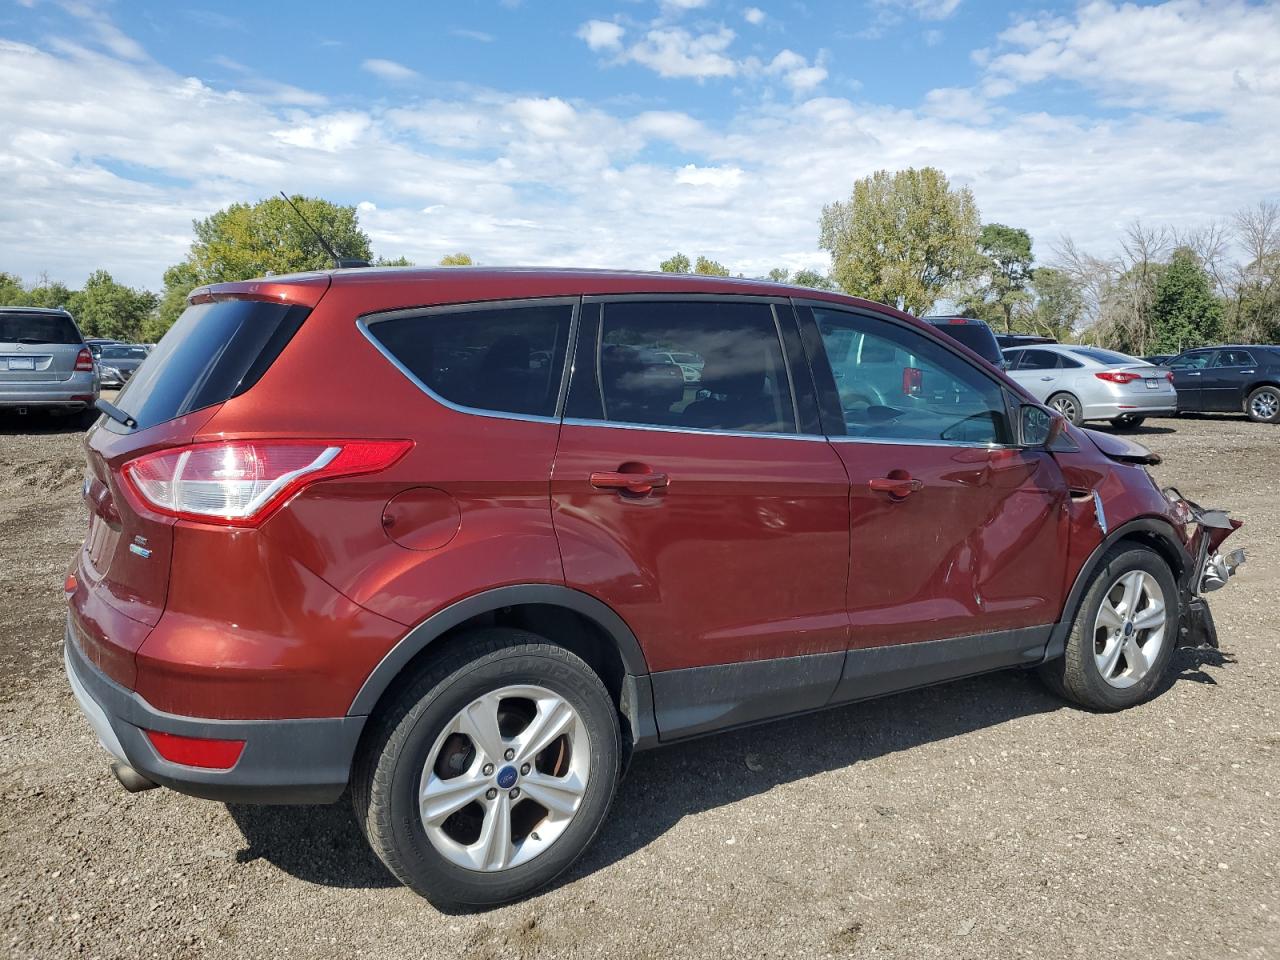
x: 1193, y: 373
x: 1047, y: 379
x: 637, y: 483
x: 898, y: 487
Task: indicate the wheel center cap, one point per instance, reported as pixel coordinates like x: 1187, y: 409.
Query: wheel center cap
x: 507, y: 778
x: 1128, y: 628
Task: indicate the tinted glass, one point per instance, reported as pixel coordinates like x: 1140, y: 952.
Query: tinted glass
x: 508, y: 359
x: 1190, y: 361
x: 1233, y: 358
x: 739, y: 383
x: 976, y: 336
x: 214, y: 352
x: 896, y: 384
x: 1039, y: 360
x: 124, y: 353
x: 1109, y: 357
x: 37, y: 328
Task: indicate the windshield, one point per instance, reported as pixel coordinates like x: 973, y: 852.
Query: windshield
x: 37, y: 328
x: 124, y: 353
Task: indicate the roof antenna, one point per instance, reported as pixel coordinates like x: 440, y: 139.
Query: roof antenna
x: 338, y: 262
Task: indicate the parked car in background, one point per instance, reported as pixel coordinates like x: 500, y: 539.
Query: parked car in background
x: 1230, y: 379
x: 95, y: 345
x: 1089, y: 383
x: 974, y: 334
x: 1159, y: 359
x: 119, y: 361
x: 461, y: 586
x: 45, y: 364
x: 1007, y: 340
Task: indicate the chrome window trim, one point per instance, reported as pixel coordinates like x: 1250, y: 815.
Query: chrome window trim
x: 363, y: 324
x: 695, y: 431
x: 910, y: 442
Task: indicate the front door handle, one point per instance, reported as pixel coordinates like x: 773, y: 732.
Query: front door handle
x: 896, y: 487
x: 1193, y: 373
x: 637, y: 483
x: 1048, y: 379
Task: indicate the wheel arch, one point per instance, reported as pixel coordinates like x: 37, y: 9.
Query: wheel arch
x: 1155, y: 533
x: 1267, y: 381
x: 576, y: 620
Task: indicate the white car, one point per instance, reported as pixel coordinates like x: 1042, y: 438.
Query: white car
x: 1089, y: 383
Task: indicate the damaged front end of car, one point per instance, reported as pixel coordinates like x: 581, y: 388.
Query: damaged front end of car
x: 1205, y: 530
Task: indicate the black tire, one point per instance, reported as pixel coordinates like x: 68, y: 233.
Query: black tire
x: 1127, y: 421
x: 1067, y: 404
x: 392, y: 757
x: 1264, y: 398
x: 1075, y: 675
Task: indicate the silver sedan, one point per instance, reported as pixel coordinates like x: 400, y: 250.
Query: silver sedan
x: 1089, y: 383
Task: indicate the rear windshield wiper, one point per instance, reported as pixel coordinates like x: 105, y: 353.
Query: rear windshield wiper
x: 115, y: 413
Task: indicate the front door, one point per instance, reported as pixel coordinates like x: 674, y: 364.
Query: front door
x: 687, y: 498
x: 1188, y: 377
x: 1224, y: 380
x: 958, y: 538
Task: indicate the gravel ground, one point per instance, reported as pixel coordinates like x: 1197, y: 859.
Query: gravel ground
x: 979, y: 819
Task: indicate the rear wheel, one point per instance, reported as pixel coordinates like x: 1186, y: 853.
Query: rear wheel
x: 1123, y: 635
x: 1067, y: 405
x: 1127, y: 421
x: 1263, y: 405
x: 491, y: 772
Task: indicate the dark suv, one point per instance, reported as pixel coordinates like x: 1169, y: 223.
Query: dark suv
x: 1229, y: 379
x: 516, y: 542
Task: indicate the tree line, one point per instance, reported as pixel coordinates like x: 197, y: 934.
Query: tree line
x: 907, y: 238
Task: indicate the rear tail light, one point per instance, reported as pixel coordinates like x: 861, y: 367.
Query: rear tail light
x: 84, y: 360
x: 1169, y: 376
x: 196, y: 751
x: 912, y: 381
x: 1118, y: 376
x: 241, y: 482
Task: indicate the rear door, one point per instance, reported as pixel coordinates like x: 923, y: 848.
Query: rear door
x: 958, y: 538
x: 709, y: 513
x: 37, y: 347
x: 1223, y: 382
x: 1188, y: 377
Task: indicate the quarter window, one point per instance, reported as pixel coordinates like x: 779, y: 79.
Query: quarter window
x: 507, y: 359
x: 896, y: 384
x: 700, y: 365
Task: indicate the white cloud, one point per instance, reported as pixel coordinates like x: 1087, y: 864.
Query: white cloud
x: 1184, y: 55
x: 601, y: 34
x: 676, y: 52
x: 753, y: 15
x: 924, y: 9
x: 389, y: 70
x: 796, y: 71
x: 477, y: 35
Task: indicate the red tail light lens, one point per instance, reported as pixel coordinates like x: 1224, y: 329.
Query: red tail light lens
x: 1169, y: 376
x: 1118, y: 376
x: 196, y: 751
x: 84, y: 360
x: 912, y: 381
x: 241, y: 482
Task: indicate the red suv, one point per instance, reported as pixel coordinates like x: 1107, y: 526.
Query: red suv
x: 462, y: 540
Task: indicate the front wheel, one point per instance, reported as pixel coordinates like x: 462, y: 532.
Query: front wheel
x: 1123, y: 635
x: 1263, y: 405
x: 491, y: 772
x: 1067, y: 405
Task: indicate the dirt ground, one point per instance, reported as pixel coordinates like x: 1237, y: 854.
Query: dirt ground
x: 980, y: 819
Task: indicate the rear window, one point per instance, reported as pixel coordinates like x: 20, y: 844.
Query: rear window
x: 507, y: 359
x: 214, y: 352
x: 37, y: 328
x: 1104, y: 356
x: 976, y: 336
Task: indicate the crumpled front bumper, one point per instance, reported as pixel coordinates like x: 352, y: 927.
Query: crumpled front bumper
x: 1210, y: 570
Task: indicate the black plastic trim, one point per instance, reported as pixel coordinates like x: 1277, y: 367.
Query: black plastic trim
x: 417, y: 639
x: 284, y: 761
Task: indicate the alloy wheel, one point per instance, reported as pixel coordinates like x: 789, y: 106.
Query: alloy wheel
x: 1065, y: 406
x: 505, y: 778
x: 1130, y: 629
x: 1264, y: 405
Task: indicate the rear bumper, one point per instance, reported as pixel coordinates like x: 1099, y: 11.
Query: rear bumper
x: 283, y: 761
x: 1136, y: 405
x: 69, y: 394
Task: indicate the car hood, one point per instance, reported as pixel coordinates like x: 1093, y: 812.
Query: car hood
x: 1120, y: 449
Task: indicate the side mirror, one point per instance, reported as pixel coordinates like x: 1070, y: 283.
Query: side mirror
x: 1041, y: 428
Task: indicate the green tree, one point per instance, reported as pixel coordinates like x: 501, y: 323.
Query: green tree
x: 779, y: 275
x: 903, y: 238
x: 179, y: 281
x: 1057, y: 304
x: 812, y: 278
x: 393, y: 262
x: 12, y: 292
x: 104, y: 308
x: 456, y: 260
x: 1006, y: 274
x: 678, y: 263
x: 710, y: 268
x: 1185, y: 312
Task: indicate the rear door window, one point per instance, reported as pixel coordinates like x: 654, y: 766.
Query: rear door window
x: 1039, y: 360
x: 503, y: 358
x: 735, y: 380
x: 1233, y: 358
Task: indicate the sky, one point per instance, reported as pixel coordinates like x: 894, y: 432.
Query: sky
x: 611, y: 133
